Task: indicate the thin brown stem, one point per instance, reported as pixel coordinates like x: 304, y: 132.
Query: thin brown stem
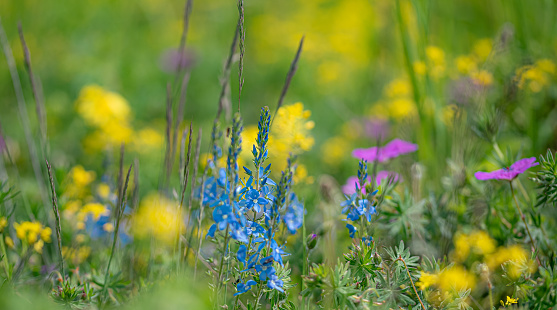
x: 411, y: 281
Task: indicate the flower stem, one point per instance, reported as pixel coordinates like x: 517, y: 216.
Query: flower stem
x: 5, y: 256
x: 219, y: 275
x: 523, y: 218
x: 411, y: 281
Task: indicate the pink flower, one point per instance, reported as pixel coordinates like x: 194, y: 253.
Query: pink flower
x: 508, y: 173
x: 391, y: 150
x: 350, y: 187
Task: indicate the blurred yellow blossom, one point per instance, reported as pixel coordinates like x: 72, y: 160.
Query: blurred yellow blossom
x: 96, y: 210
x: 435, y: 61
x: 478, y: 241
x: 158, y: 216
x: 33, y: 232
x: 466, y: 64
x: 427, y: 280
x: 402, y: 108
x: 38, y: 246
x: 420, y: 68
x: 533, y: 77
x: 546, y: 65
x: 103, y: 190
x: 334, y: 150
x: 482, y: 77
x: 3, y: 223
x: 456, y: 278
x: 291, y: 129
x: 76, y: 256
x: 9, y: 242
x: 147, y: 139
x: 515, y: 255
x: 77, y: 181
x: 99, y: 107
x: 108, y: 227
x: 482, y: 48
x: 398, y: 88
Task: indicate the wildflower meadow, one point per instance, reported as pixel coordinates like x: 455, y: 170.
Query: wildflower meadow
x: 296, y: 154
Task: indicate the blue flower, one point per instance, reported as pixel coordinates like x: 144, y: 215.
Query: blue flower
x: 242, y: 288
x: 294, y: 216
x: 367, y: 209
x: 351, y: 230
x: 241, y: 254
x: 367, y: 240
x: 275, y: 283
x: 211, y: 232
x: 265, y: 268
x: 277, y: 252
x: 253, y: 199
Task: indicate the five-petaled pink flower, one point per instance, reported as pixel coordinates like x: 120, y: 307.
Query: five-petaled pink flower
x: 391, y: 150
x: 350, y: 187
x: 508, y: 173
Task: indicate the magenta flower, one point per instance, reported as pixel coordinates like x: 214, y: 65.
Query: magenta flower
x: 508, y: 173
x: 350, y: 187
x: 391, y: 150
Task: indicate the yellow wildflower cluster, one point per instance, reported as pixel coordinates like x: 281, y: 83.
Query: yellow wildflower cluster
x: 510, y: 301
x: 291, y: 129
x: 397, y: 102
x: 290, y: 133
x: 537, y: 76
x: 336, y: 36
x: 469, y: 65
x: 76, y: 256
x: 449, y: 280
x: 479, y: 242
x: 34, y: 234
x: 78, y: 181
x: 110, y: 115
x: 159, y: 217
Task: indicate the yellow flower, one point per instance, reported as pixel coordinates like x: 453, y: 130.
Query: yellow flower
x: 76, y: 256
x: 436, y: 61
x: 398, y: 88
x: 483, y: 243
x: 78, y: 181
x: 80, y: 238
x: 546, y: 65
x: 402, y: 108
x: 95, y: 209
x: 103, y: 190
x: 38, y: 246
x: 46, y: 233
x: 158, y: 216
x: 334, y: 150
x: 456, y: 278
x: 536, y: 77
x: 427, y: 280
x: 466, y: 64
x: 301, y: 175
x: 3, y: 223
x: 510, y: 301
x: 462, y: 247
x: 80, y: 225
x: 71, y: 208
x: 291, y: 129
x: 147, y: 139
x: 482, y: 77
x: 9, y: 242
x: 482, y: 48
x: 108, y: 227
x: 99, y: 106
x: 420, y: 67
x: 32, y: 232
